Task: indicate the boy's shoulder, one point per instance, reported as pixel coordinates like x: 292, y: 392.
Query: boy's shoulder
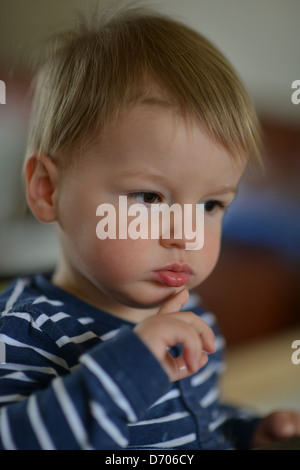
x: 24, y: 293
x: 34, y: 311
x: 38, y: 300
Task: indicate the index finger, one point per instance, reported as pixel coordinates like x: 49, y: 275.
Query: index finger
x: 175, y: 303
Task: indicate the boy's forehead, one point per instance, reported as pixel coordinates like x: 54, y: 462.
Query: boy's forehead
x: 145, y: 135
x: 138, y: 113
x: 152, y: 124
x: 155, y: 142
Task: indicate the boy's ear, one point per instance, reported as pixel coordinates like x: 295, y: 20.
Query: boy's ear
x: 41, y: 175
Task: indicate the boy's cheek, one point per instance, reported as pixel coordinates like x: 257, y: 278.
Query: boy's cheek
x: 211, y: 251
x: 121, y: 256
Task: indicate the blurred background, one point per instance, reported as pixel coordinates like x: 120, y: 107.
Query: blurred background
x: 255, y: 289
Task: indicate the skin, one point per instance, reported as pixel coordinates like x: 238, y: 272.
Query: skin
x: 150, y: 154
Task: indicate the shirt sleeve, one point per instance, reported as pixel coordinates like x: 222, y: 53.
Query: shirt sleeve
x: 239, y: 426
x: 45, y: 406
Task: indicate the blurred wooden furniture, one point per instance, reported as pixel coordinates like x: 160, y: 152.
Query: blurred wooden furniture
x: 252, y: 293
x: 261, y: 375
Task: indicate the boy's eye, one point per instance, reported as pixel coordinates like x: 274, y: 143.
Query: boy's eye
x: 210, y: 206
x: 145, y: 197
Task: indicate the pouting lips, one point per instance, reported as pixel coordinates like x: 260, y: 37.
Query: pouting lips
x: 175, y: 275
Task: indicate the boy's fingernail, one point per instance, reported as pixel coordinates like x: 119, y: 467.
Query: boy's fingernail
x: 204, y: 359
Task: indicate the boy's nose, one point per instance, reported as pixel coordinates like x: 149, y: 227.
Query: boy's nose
x: 173, y: 242
x: 185, y: 230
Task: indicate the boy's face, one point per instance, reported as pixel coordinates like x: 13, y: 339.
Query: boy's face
x: 151, y: 155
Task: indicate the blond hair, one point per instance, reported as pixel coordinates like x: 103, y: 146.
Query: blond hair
x: 93, y: 72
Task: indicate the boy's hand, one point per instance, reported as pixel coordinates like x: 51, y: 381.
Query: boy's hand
x: 171, y: 327
x: 277, y: 426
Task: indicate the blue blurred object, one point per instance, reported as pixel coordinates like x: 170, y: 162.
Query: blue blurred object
x: 264, y: 219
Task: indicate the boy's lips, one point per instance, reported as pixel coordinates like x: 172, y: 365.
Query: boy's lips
x: 174, y: 275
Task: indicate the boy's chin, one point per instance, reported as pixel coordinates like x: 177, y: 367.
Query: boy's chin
x: 153, y: 298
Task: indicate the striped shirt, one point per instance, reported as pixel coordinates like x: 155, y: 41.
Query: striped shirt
x: 75, y: 377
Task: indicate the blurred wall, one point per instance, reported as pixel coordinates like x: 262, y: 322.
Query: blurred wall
x: 260, y: 37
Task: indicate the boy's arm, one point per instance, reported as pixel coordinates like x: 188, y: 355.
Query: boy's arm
x: 114, y: 385
x: 240, y: 426
x: 249, y: 432
x: 91, y: 407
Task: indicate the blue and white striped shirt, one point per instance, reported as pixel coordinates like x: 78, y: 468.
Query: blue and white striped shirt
x: 75, y: 377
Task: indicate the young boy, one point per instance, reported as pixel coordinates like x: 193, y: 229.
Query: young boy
x: 109, y: 353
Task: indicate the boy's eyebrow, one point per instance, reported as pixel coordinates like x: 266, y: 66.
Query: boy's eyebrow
x: 225, y: 189
x: 142, y: 172
x: 221, y: 191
